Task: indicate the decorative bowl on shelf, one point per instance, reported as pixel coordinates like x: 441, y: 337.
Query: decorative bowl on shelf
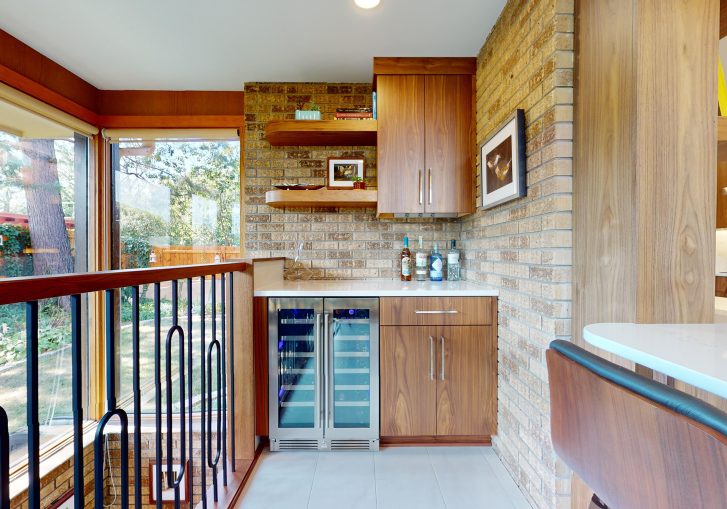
x: 297, y: 187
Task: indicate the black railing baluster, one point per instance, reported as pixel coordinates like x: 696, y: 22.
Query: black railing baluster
x: 136, y: 375
x: 203, y: 457
x: 190, y: 391
x: 232, y: 371
x: 223, y: 388
x: 175, y: 329
x: 31, y: 328
x: 77, y: 401
x: 213, y: 462
x: 111, y: 412
x: 158, y: 394
x: 4, y: 460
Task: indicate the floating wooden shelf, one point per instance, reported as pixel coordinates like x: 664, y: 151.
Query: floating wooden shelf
x: 321, y: 132
x: 322, y: 198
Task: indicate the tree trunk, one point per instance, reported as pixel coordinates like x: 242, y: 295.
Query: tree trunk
x: 48, y: 235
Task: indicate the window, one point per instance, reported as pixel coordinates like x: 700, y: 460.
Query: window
x: 176, y: 201
x: 43, y: 231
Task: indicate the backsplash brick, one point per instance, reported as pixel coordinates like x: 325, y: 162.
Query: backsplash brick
x: 338, y: 243
x: 524, y: 247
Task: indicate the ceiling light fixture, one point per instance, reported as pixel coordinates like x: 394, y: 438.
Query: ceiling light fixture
x: 367, y: 4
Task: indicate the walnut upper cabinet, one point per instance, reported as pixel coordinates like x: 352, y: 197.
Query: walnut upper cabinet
x: 425, y: 136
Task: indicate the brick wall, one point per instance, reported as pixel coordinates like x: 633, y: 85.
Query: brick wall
x: 524, y: 247
x: 338, y: 243
x: 58, y: 481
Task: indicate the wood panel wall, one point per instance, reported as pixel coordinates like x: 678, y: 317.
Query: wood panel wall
x: 645, y: 157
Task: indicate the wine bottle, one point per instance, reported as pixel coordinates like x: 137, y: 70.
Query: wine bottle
x: 406, y: 261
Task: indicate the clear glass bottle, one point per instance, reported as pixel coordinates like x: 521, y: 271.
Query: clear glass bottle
x: 406, y: 261
x: 436, y: 264
x: 453, y: 262
x: 421, y: 261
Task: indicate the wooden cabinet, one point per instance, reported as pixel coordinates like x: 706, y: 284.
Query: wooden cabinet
x: 425, y: 139
x: 438, y: 382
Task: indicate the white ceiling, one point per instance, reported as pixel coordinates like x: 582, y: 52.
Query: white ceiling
x: 221, y: 44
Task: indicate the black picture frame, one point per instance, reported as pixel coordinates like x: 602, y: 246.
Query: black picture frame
x: 503, y: 172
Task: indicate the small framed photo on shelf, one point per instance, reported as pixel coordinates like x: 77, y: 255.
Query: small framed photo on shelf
x: 342, y: 173
x: 503, y: 163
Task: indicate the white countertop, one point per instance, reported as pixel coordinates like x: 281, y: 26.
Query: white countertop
x: 373, y: 288
x: 693, y: 353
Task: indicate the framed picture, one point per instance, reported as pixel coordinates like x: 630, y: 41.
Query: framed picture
x: 342, y: 172
x: 503, y: 163
x: 168, y: 493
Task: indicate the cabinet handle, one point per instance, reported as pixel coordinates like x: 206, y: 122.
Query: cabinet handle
x: 421, y: 191
x: 431, y: 358
x: 430, y: 186
x: 436, y: 312
x: 441, y: 338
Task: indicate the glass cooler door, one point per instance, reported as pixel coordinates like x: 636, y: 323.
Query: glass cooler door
x: 295, y: 367
x: 352, y: 358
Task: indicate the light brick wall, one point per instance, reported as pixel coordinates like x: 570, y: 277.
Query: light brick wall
x: 59, y: 481
x: 524, y: 247
x: 339, y: 243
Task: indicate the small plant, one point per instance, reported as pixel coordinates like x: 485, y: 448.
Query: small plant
x: 311, y: 106
x: 356, y: 179
x: 358, y: 183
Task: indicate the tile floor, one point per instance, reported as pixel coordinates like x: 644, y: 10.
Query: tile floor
x: 393, y: 478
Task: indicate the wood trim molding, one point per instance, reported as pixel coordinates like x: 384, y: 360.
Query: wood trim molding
x: 425, y: 65
x: 170, y: 121
x: 478, y: 440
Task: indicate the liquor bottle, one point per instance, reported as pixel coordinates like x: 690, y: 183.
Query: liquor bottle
x: 421, y: 261
x: 406, y: 261
x: 453, y: 262
x: 436, y: 264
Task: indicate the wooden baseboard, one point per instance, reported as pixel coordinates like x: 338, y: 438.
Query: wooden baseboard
x: 436, y: 440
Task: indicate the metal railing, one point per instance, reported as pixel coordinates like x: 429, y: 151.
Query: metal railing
x: 212, y: 357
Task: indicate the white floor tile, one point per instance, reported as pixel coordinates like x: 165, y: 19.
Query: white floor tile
x: 393, y: 478
x: 405, y: 479
x: 281, y: 481
x: 344, y: 480
x: 466, y: 481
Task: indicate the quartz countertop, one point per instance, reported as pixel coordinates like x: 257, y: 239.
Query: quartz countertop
x: 693, y: 353
x: 373, y: 288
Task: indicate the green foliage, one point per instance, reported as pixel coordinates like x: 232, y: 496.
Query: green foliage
x: 54, y: 330
x: 202, y: 172
x: 13, y: 262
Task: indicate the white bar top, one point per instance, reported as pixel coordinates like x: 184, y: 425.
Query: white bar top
x: 373, y: 288
x: 693, y: 353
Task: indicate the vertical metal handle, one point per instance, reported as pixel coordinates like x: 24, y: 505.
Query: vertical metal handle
x: 421, y: 191
x: 441, y: 344
x: 431, y: 358
x: 430, y: 186
x: 320, y: 373
x: 329, y: 372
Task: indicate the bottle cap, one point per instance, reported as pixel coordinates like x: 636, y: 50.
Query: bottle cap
x: 436, y: 247
x: 406, y: 241
x: 454, y: 244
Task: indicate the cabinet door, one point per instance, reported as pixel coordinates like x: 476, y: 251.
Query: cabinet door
x: 466, y: 380
x: 400, y: 150
x: 408, y: 388
x: 449, y: 140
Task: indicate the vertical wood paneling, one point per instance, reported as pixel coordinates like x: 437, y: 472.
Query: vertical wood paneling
x: 604, y: 185
x: 676, y: 50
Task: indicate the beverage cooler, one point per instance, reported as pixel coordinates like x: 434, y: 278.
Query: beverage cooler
x: 324, y: 373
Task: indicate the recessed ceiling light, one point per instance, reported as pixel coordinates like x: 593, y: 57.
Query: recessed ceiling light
x: 367, y: 4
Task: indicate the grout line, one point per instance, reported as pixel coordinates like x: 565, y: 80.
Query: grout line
x: 313, y: 480
x: 436, y: 478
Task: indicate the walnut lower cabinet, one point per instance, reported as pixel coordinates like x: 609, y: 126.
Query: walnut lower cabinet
x: 438, y: 382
